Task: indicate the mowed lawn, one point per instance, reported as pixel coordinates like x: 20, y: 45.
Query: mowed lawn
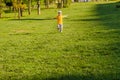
x: 87, y: 49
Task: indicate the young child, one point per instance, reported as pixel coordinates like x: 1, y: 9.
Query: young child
x: 59, y: 20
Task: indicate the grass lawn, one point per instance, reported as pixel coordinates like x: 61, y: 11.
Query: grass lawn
x: 87, y: 49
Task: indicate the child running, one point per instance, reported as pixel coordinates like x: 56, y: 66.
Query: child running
x: 59, y: 20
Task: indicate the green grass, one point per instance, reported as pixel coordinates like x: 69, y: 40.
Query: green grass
x: 87, y: 49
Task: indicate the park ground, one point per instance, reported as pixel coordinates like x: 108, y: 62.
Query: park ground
x: 87, y: 49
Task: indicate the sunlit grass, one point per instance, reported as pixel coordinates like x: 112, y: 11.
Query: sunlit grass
x: 87, y: 49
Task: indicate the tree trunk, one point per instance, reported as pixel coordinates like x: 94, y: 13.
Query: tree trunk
x: 38, y: 3
x: 65, y: 3
x: 19, y: 14
x: 21, y: 11
x: 15, y: 8
x: 29, y: 7
x: 60, y: 4
x: 46, y: 3
x: 15, y: 14
x: 0, y: 9
x: 0, y: 15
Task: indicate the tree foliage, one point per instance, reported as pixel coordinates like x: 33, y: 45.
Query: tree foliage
x: 2, y: 5
x: 20, y: 5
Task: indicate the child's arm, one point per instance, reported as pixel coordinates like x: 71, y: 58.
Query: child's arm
x: 65, y: 16
x: 55, y: 17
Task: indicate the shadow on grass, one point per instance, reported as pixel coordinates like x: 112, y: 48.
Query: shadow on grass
x: 107, y: 15
x: 87, y: 77
x: 32, y: 19
x: 94, y: 19
x: 4, y: 17
x: 108, y: 18
x: 114, y: 76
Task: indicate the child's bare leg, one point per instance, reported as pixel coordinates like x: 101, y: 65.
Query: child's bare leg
x: 58, y: 27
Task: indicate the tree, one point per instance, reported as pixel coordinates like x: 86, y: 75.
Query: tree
x: 15, y: 7
x: 66, y: 3
x: 1, y: 8
x: 63, y: 3
x: 60, y: 4
x: 9, y: 4
x: 46, y: 3
x: 38, y: 7
x: 22, y: 7
x: 29, y: 7
x: 19, y: 4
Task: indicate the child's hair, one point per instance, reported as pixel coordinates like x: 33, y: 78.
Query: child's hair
x: 59, y: 12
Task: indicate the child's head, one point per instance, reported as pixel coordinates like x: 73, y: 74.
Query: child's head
x: 59, y: 12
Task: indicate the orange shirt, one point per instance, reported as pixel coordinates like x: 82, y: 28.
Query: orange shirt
x: 59, y: 19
